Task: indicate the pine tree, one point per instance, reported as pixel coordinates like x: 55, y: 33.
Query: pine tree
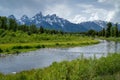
x: 116, y: 30
x: 112, y: 31
x: 41, y: 30
x: 13, y: 25
x: 4, y: 23
x: 33, y: 29
x: 108, y: 30
x: 103, y: 32
x: 0, y: 24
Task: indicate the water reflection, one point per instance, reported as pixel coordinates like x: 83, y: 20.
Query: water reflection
x: 112, y: 47
x: 44, y: 57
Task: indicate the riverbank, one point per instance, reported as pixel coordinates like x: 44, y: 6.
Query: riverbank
x: 116, y: 39
x: 25, y: 47
x: 104, y: 68
x: 17, y: 42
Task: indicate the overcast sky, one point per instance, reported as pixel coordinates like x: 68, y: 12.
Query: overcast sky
x: 74, y: 10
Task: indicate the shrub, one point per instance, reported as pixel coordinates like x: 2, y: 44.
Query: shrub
x: 38, y: 46
x: 27, y: 47
x: 1, y: 50
x: 68, y: 43
x: 17, y: 52
x: 1, y: 31
x: 7, y: 50
x: 17, y: 47
x: 42, y: 46
x: 22, y: 77
x: 22, y: 47
x: 3, y: 34
x: 57, y: 44
x: 13, y: 35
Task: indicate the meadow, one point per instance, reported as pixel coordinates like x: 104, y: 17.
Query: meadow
x: 19, y: 41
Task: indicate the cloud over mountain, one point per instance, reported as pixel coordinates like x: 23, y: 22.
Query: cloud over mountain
x: 74, y: 10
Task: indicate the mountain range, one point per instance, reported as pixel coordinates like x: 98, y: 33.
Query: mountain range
x: 55, y: 22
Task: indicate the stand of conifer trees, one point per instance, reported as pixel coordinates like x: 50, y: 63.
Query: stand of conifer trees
x: 11, y: 24
x: 109, y: 31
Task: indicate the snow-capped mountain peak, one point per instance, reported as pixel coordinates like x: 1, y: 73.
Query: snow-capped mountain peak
x: 38, y: 16
x: 101, y: 23
x: 24, y: 17
x: 55, y: 22
x: 53, y: 16
x: 12, y: 17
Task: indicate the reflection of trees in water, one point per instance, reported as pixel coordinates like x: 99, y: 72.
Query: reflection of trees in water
x: 116, y: 47
x: 108, y: 46
x: 112, y: 47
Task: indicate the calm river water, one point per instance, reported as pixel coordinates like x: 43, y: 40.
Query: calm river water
x: 44, y: 57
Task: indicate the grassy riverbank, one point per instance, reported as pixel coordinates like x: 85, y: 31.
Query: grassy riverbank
x: 105, y: 68
x: 111, y: 38
x: 15, y: 42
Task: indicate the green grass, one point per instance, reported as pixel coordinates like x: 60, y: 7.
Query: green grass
x: 15, y: 42
x: 111, y: 38
x: 105, y: 68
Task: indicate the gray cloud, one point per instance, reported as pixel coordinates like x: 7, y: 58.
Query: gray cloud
x: 115, y: 13
x: 73, y: 10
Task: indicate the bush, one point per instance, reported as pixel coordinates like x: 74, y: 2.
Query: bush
x: 1, y: 50
x: 110, y: 65
x: 29, y: 33
x: 38, y: 46
x: 13, y: 35
x: 1, y: 31
x: 17, y: 47
x: 7, y: 50
x: 57, y: 44
x: 17, y: 52
x: 42, y: 46
x: 22, y: 77
x: 68, y: 43
x: 22, y: 47
x: 27, y: 47
x: 3, y: 34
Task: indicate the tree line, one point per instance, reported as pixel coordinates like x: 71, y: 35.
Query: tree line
x: 11, y: 24
x: 109, y: 31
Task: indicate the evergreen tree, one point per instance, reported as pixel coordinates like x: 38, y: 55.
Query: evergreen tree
x: 33, y: 29
x: 12, y: 25
x: 116, y: 30
x: 108, y: 30
x: 41, y: 30
x: 103, y: 32
x: 112, y: 31
x: 0, y: 24
x: 61, y: 32
x: 92, y: 33
x: 24, y: 28
x: 3, y: 23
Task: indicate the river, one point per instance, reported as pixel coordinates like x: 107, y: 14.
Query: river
x: 45, y: 57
